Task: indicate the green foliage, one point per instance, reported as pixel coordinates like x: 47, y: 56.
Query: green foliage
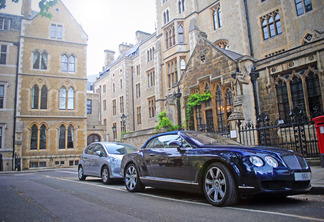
x: 165, y: 123
x: 122, y: 133
x: 44, y: 6
x: 196, y: 100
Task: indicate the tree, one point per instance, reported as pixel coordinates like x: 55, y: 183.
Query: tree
x: 44, y: 6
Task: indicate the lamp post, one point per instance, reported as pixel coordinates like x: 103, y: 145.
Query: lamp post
x: 254, y: 76
x: 123, y: 117
x: 114, y: 131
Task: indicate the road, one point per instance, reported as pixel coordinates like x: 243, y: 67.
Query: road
x: 57, y: 195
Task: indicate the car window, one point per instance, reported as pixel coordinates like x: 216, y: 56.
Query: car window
x: 89, y: 149
x: 120, y: 149
x: 163, y: 141
x: 98, y: 147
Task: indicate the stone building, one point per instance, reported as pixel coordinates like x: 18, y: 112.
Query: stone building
x: 10, y: 26
x: 51, y: 116
x: 253, y: 57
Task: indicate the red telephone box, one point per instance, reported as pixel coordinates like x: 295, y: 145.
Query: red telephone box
x: 319, y: 124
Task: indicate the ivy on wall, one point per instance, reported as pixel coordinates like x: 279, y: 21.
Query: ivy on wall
x: 195, y: 100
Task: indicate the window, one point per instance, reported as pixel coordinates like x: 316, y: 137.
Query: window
x: 222, y: 44
x: 138, y: 70
x: 166, y: 17
x: 304, y: 87
x: 121, y: 83
x: 5, y: 23
x: 38, y: 137
x: 122, y: 126
x: 40, y: 60
x: 89, y: 106
x: 151, y: 78
x: 66, y: 99
x: 104, y: 89
x: 3, y: 56
x: 303, y: 6
x: 180, y: 34
x: 114, y: 88
x: 138, y: 90
x: 121, y: 103
x: 151, y: 105
x: 1, y: 135
x: 66, y: 137
x: 170, y: 36
x: 104, y: 105
x: 217, y: 18
x: 181, y: 5
x: 172, y: 72
x: 271, y: 25
x: 56, y: 31
x: 114, y: 107
x: 39, y: 97
x: 138, y: 114
x: 1, y: 96
x: 68, y: 63
x: 150, y: 54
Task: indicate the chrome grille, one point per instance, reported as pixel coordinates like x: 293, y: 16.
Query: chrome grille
x: 295, y: 162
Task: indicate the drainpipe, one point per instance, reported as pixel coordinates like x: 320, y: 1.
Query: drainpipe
x: 248, y: 27
x: 17, y: 44
x: 133, y: 105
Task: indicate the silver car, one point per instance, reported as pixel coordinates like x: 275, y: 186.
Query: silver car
x: 103, y: 159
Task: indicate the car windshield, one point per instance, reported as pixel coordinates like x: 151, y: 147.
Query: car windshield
x: 204, y: 138
x: 120, y: 149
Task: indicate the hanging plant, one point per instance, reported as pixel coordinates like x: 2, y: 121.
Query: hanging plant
x: 164, y: 122
x: 196, y: 100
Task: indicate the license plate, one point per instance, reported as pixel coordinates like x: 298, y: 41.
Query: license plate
x: 303, y: 176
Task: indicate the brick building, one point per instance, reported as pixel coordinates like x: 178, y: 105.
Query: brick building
x: 51, y: 113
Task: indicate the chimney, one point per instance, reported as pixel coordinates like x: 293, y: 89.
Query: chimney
x: 124, y: 48
x: 109, y: 57
x: 26, y: 8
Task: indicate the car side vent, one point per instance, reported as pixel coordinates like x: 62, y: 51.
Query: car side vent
x: 295, y: 162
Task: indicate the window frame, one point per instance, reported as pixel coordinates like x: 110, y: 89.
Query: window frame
x: 3, y: 54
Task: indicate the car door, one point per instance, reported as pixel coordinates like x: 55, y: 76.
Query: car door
x: 87, y: 159
x: 181, y: 162
x: 155, y: 155
x: 97, y: 160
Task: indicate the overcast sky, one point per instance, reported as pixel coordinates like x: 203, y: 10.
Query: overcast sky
x: 107, y: 24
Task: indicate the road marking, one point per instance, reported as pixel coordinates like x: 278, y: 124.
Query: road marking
x: 197, y: 203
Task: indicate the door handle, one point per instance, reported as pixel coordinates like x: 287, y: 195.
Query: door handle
x: 152, y: 154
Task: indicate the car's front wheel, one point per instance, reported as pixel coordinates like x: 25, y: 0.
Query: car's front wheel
x: 132, y: 181
x: 219, y: 185
x: 81, y: 175
x: 105, y: 178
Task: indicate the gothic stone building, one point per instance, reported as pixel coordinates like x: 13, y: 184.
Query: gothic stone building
x: 215, y: 46
x: 51, y: 118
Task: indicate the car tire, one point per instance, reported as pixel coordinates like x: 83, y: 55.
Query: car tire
x: 219, y: 185
x: 105, y: 177
x: 132, y: 180
x: 81, y: 175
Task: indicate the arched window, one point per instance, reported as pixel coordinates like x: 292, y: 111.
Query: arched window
x: 44, y: 97
x: 315, y: 101
x: 180, y: 33
x: 93, y: 138
x: 62, y: 98
x: 278, y: 24
x: 71, y: 64
x: 34, y: 137
x: 265, y: 29
x: 282, y: 100
x: 220, y: 111
x: 183, y: 5
x: 35, y: 97
x: 70, y: 137
x: 180, y: 7
x: 271, y: 25
x: 164, y: 18
x: 44, y: 61
x: 62, y: 137
x: 167, y: 15
x: 42, y: 137
x: 217, y: 18
x: 64, y: 63
x: 70, y: 99
x: 297, y: 93
x: 229, y: 103
x: 36, y: 60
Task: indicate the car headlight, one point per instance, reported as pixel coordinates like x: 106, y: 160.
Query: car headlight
x: 271, y: 161
x: 256, y: 161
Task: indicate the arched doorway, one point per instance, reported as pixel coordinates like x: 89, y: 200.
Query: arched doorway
x: 93, y: 138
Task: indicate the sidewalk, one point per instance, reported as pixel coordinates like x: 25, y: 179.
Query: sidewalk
x: 317, y: 180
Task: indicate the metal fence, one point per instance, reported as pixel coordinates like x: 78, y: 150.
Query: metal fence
x: 298, y: 134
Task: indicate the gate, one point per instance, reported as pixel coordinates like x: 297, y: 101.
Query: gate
x: 298, y: 134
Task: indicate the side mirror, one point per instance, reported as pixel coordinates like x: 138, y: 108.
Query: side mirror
x: 100, y: 153
x: 175, y: 144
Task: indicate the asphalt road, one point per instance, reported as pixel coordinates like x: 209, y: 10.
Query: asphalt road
x: 57, y: 195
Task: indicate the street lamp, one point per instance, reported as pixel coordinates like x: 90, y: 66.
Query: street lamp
x: 123, y: 117
x: 114, y: 131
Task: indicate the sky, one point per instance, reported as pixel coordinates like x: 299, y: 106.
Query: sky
x: 107, y: 23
